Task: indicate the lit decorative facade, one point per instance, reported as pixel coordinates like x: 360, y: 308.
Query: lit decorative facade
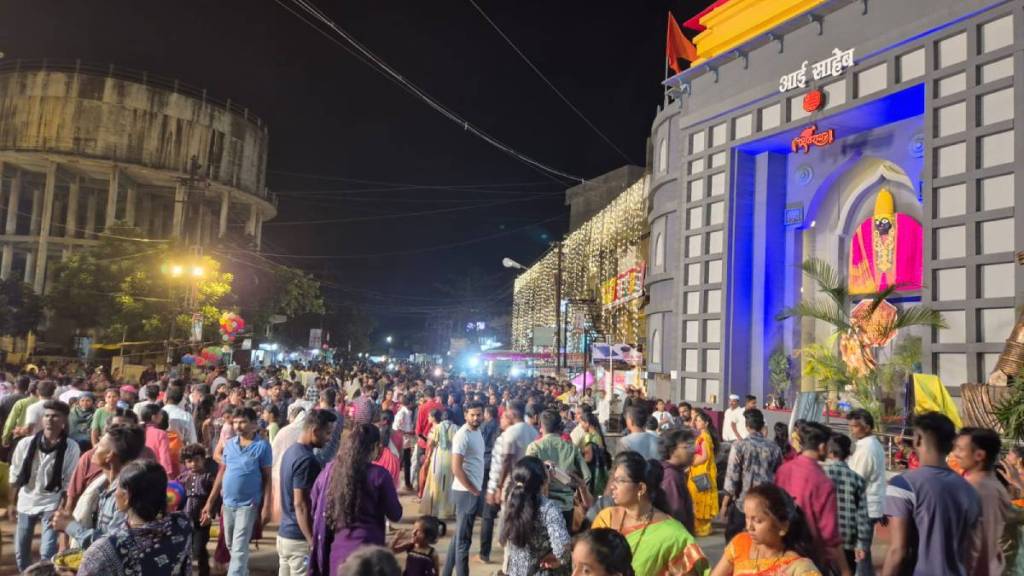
x: 602, y: 266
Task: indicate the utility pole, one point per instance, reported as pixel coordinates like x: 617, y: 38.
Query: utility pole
x: 558, y: 310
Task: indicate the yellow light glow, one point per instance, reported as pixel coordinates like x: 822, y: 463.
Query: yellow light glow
x: 198, y: 271
x: 177, y: 270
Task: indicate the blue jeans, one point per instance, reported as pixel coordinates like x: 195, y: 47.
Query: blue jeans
x: 238, y: 524
x: 23, y: 539
x: 466, y: 506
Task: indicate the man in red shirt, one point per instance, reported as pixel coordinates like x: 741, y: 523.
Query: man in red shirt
x: 804, y: 480
x: 423, y: 427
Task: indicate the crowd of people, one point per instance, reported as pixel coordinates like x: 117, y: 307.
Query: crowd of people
x: 148, y: 476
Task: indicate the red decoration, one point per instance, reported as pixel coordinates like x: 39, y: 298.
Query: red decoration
x: 813, y: 101
x: 810, y: 137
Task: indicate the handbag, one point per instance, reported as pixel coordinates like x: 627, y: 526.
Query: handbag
x: 702, y: 482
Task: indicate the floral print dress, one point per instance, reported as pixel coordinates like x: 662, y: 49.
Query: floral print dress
x: 162, y: 547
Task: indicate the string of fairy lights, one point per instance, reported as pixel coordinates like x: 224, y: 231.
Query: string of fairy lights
x: 612, y: 241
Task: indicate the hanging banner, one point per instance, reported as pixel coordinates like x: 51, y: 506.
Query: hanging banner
x: 315, y: 336
x: 624, y: 287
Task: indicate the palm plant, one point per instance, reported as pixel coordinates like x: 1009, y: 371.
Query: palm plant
x: 822, y: 362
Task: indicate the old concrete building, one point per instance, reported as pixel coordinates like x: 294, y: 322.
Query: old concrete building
x: 85, y: 149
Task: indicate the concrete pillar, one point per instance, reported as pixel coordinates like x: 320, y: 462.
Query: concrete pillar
x: 12, y: 204
x: 71, y: 218
x: 90, y: 215
x: 129, y: 204
x: 179, y: 210
x: 44, y: 229
x: 11, y: 225
x: 71, y: 221
x: 145, y: 212
x: 250, y: 226
x: 30, y: 262
x: 225, y: 205
x: 112, y: 191
x: 259, y: 230
x: 37, y: 204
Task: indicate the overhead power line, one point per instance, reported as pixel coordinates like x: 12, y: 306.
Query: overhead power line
x: 370, y: 58
x: 404, y: 214
x: 548, y: 82
x: 401, y: 252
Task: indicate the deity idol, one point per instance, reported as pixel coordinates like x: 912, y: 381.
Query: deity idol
x: 886, y: 250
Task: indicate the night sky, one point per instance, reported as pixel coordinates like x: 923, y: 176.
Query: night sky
x: 346, y: 143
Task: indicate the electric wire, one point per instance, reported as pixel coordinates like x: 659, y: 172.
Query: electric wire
x: 398, y: 215
x: 550, y: 84
x: 381, y: 66
x: 407, y: 252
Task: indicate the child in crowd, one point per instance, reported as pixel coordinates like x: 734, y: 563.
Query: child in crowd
x: 272, y: 417
x: 422, y: 559
x: 197, y: 481
x: 851, y: 500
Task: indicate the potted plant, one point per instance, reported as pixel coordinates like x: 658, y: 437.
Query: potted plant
x: 867, y: 379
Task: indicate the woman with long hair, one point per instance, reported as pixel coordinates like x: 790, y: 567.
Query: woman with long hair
x: 437, y: 493
x: 533, y: 527
x: 152, y: 541
x: 601, y: 552
x: 703, y: 481
x: 351, y: 499
x: 777, y: 541
x: 659, y: 543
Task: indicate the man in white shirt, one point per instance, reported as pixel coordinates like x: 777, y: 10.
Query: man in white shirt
x: 41, y: 468
x: 147, y: 395
x: 868, y: 460
x: 468, y: 469
x: 639, y: 440
x: 405, y: 424
x: 178, y: 419
x: 734, y: 425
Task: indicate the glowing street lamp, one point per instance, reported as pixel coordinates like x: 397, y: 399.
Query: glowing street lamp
x: 388, y: 339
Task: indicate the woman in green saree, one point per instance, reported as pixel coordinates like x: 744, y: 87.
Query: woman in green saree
x: 660, y: 544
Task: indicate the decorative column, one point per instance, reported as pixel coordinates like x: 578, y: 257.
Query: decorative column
x: 259, y: 230
x: 44, y: 228
x: 11, y: 225
x: 112, y: 190
x: 179, y: 210
x: 225, y: 205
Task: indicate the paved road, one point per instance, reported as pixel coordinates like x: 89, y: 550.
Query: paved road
x: 263, y: 560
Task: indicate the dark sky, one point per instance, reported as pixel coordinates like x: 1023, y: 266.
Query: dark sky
x: 337, y: 126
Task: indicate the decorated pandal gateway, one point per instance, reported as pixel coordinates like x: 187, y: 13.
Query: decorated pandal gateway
x: 835, y: 181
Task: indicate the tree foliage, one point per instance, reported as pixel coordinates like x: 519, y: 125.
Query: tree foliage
x: 122, y: 288
x: 21, y: 309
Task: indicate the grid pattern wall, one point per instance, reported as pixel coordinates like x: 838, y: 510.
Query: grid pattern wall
x: 968, y: 188
x: 969, y: 195
x: 703, y: 246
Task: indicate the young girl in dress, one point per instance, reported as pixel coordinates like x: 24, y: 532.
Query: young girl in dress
x: 421, y: 558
